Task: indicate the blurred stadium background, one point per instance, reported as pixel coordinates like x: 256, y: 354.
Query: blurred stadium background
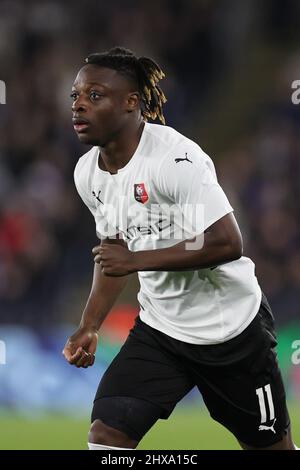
x: 229, y: 68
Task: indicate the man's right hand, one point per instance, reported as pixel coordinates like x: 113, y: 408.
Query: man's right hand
x: 80, y: 348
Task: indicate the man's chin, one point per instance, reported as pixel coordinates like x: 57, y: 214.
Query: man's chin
x: 87, y: 139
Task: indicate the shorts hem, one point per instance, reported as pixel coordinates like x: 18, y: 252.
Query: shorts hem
x: 273, y: 441
x: 165, y: 413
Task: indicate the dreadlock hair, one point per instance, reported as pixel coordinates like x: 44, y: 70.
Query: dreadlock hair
x: 144, y: 71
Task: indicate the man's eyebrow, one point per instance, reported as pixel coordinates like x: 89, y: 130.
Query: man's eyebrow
x: 91, y: 84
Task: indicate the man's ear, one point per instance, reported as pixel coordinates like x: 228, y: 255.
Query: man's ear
x: 133, y: 101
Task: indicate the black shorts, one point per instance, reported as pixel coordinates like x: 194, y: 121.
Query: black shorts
x: 239, y: 380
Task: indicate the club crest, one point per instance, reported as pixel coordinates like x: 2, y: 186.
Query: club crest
x: 140, y: 193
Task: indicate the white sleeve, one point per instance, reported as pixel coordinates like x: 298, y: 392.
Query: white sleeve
x: 187, y: 177
x: 80, y: 183
x: 81, y: 179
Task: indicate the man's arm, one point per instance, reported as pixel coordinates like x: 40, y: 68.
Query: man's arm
x: 104, y: 292
x: 222, y: 244
x: 81, y: 346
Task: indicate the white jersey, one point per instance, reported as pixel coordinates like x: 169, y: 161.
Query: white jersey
x: 168, y: 170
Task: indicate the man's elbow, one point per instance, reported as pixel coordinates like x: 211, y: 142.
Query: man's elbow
x: 235, y: 249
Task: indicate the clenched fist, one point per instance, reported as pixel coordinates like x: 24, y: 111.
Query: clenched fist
x: 114, y: 259
x: 81, y: 347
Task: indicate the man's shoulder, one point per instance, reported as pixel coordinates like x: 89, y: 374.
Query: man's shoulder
x: 85, y: 163
x: 165, y: 135
x: 164, y: 143
x: 176, y: 147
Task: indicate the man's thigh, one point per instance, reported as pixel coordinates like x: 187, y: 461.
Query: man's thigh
x: 243, y: 387
x: 146, y: 371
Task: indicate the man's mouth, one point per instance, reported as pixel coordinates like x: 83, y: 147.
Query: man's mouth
x: 80, y: 124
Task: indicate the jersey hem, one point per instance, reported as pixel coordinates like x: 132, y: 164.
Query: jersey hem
x: 189, y: 340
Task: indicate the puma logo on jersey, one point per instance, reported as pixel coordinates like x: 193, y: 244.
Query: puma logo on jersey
x: 263, y: 427
x: 177, y: 160
x: 97, y: 197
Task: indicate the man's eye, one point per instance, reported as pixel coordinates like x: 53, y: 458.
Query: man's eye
x: 94, y: 95
x: 74, y: 95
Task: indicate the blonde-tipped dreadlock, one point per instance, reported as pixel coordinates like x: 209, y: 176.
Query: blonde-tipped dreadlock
x: 144, y: 71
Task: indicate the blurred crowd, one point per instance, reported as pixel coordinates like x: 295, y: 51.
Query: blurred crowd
x: 45, y: 232
x: 262, y: 175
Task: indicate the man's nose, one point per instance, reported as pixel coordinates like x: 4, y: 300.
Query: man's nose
x: 78, y: 105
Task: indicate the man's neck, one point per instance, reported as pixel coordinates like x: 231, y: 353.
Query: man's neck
x: 116, y: 154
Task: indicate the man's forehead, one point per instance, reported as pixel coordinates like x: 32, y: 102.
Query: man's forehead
x: 97, y: 75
